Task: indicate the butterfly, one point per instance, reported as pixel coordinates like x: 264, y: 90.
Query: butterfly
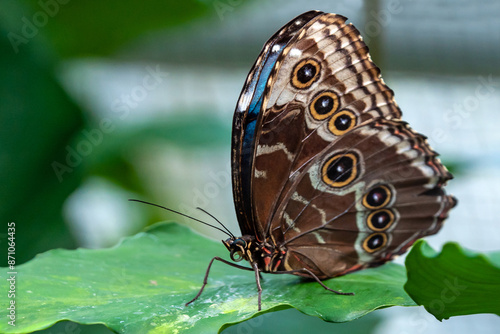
x: 327, y: 178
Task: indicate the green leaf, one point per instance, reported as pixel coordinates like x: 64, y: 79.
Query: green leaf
x: 453, y: 282
x: 142, y: 284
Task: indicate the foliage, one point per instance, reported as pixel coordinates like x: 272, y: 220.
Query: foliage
x: 453, y: 282
x: 142, y: 284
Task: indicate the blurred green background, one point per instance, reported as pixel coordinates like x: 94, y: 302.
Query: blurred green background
x: 101, y: 101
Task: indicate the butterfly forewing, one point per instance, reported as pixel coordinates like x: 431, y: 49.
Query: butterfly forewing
x: 296, y: 119
x: 248, y: 116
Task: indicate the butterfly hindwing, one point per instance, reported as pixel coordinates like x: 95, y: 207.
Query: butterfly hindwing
x: 386, y: 194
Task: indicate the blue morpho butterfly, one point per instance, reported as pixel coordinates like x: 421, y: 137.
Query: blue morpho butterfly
x: 327, y: 178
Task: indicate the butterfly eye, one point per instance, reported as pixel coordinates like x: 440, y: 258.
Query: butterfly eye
x: 375, y: 242
x: 378, y: 197
x: 342, y: 122
x: 305, y: 73
x: 340, y: 169
x: 240, y: 242
x: 380, y: 220
x: 324, y: 105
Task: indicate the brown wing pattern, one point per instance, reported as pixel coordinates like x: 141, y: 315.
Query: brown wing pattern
x: 248, y: 114
x: 335, y: 228
x: 337, y: 178
x: 288, y: 129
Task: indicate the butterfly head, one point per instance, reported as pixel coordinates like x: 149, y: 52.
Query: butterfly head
x: 238, y: 247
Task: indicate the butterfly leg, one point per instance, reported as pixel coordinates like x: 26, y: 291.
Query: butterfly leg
x: 257, y: 280
x: 205, y: 280
x: 315, y: 278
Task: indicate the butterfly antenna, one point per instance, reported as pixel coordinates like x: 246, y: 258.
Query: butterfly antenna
x: 218, y: 221
x: 184, y: 215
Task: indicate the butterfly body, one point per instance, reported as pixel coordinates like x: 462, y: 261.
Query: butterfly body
x: 327, y: 178
x: 268, y: 257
